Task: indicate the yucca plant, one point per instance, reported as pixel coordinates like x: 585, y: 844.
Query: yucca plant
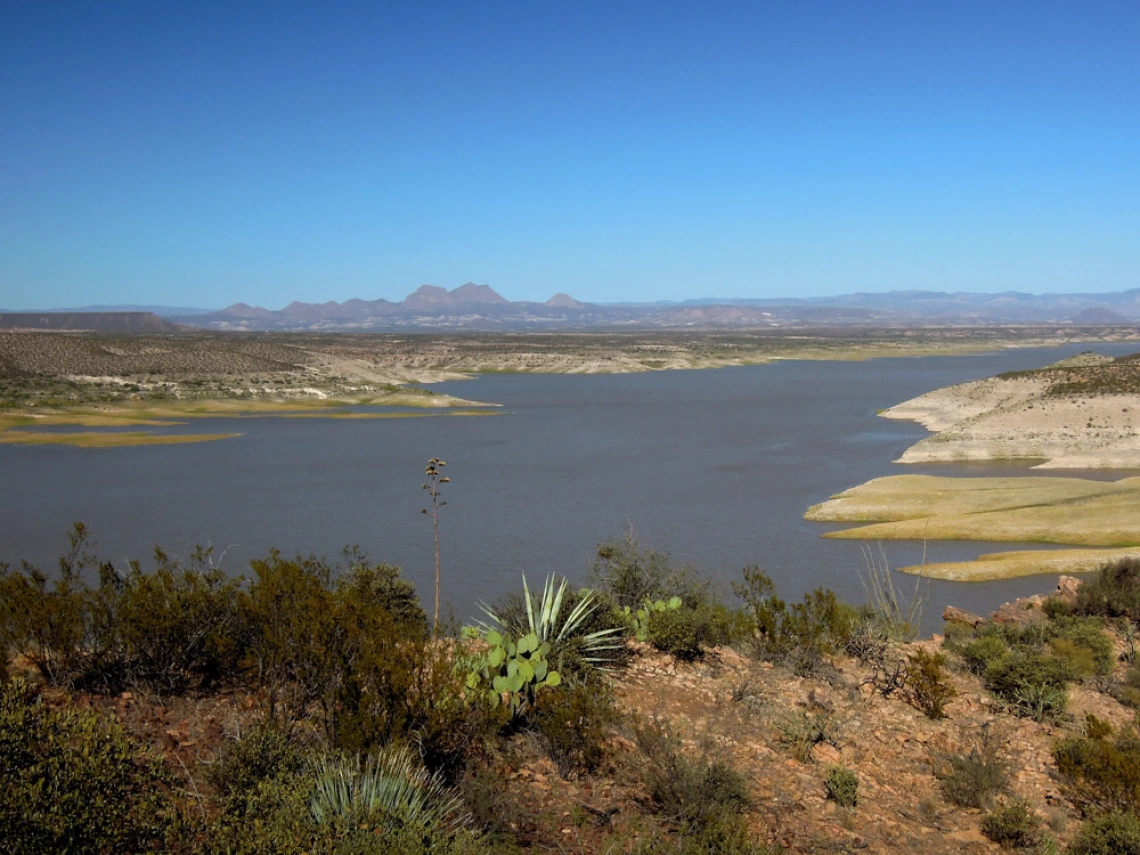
x: 546, y: 622
x: 388, y: 789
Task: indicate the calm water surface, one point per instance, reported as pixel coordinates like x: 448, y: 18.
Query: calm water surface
x: 715, y: 466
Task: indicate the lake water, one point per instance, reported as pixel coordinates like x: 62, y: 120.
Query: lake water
x: 717, y: 467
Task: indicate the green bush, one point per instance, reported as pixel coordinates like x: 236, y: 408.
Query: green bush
x: 1013, y: 826
x: 1034, y: 684
x: 1115, y: 592
x: 842, y: 786
x: 928, y: 685
x: 685, y: 633
x: 630, y: 574
x: 74, y: 782
x: 801, y: 631
x: 262, y: 754
x: 574, y: 722
x: 1100, y: 771
x: 978, y: 653
x: 47, y: 623
x: 169, y: 629
x: 973, y: 779
x: 1083, y: 645
x: 1128, y: 691
x: 1113, y: 834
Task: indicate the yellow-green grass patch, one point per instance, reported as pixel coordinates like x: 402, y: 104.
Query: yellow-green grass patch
x: 108, y: 440
x: 1042, y: 510
x: 1009, y: 565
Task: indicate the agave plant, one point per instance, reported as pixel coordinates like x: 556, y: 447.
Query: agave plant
x: 387, y: 789
x: 546, y: 622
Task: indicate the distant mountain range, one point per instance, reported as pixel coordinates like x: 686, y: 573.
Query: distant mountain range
x: 478, y: 307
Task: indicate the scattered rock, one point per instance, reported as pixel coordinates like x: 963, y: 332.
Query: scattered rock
x: 957, y: 615
x: 1067, y: 589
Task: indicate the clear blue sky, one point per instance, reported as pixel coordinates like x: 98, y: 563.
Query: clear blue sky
x: 203, y: 153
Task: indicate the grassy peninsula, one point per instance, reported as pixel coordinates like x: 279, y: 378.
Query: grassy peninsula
x: 1077, y: 413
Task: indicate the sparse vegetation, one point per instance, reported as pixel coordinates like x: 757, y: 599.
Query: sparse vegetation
x: 842, y: 786
x: 1013, y: 826
x: 1112, y: 834
x: 928, y: 685
x: 1101, y: 770
x: 975, y: 778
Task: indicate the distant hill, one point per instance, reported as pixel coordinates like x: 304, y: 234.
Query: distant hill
x: 161, y: 311
x: 104, y: 322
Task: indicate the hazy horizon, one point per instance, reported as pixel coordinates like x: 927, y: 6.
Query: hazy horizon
x: 210, y: 154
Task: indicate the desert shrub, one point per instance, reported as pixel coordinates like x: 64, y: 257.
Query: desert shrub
x: 47, y: 622
x: 1128, y: 690
x: 842, y: 786
x: 801, y: 731
x: 630, y: 574
x: 1055, y: 607
x: 978, y: 653
x: 1013, y: 826
x: 806, y: 630
x: 889, y: 677
x: 494, y: 809
x: 1114, y: 592
x: 1083, y: 645
x: 928, y: 685
x: 574, y: 722
x: 973, y: 779
x: 74, y: 782
x: 867, y: 643
x: 413, y: 690
x: 168, y: 629
x: 262, y: 754
x: 1030, y: 666
x: 1034, y: 684
x: 1100, y: 770
x: 727, y: 835
x: 163, y: 630
x: 699, y: 793
x: 685, y: 632
x: 1021, y: 667
x: 346, y: 645
x: 1115, y: 833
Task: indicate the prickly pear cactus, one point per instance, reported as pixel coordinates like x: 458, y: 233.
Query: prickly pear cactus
x: 639, y: 619
x: 511, y: 671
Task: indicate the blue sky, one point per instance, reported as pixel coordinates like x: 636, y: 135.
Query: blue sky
x: 203, y: 154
